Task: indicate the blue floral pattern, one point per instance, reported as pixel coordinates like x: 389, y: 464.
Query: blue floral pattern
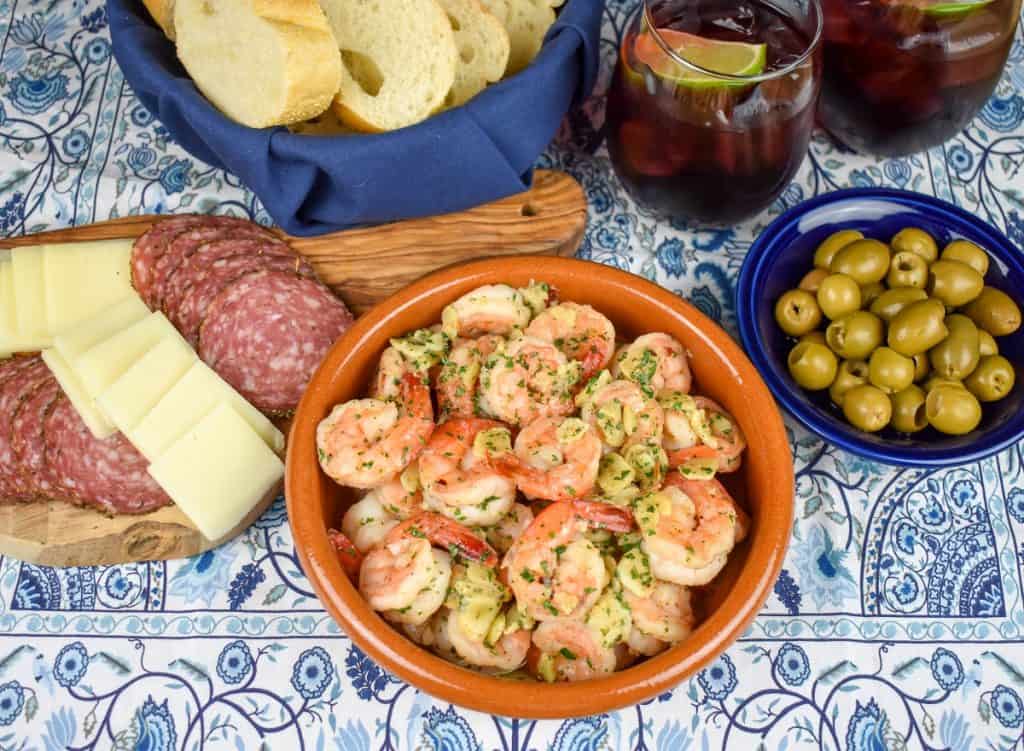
x: 897, y: 621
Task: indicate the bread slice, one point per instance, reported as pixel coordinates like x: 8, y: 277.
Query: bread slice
x: 483, y: 47
x: 527, y: 21
x: 261, y: 62
x: 398, y: 61
x: 162, y: 12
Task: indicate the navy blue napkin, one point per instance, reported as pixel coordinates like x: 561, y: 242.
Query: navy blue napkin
x: 472, y: 154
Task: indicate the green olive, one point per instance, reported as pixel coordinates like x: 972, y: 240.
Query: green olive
x: 921, y: 366
x: 907, y: 270
x: 952, y: 410
x: 916, y: 241
x: 994, y: 311
x: 797, y: 312
x: 818, y: 337
x: 908, y: 410
x: 954, y: 283
x: 956, y: 355
x: 866, y: 261
x: 967, y: 252
x: 987, y: 344
x: 812, y: 365
x: 853, y: 336
x: 832, y: 245
x: 838, y: 295
x: 992, y: 379
x: 918, y: 327
x: 812, y: 280
x: 934, y: 382
x: 889, y: 370
x: 867, y: 408
x: 893, y: 301
x: 871, y: 292
x: 851, y: 373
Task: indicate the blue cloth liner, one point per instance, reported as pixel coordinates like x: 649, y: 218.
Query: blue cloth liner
x: 310, y: 185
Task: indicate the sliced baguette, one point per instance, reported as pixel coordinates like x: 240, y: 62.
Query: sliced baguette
x: 261, y: 62
x: 162, y: 12
x: 398, y: 61
x: 483, y: 47
x: 527, y: 21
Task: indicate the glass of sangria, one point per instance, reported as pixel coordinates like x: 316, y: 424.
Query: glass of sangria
x: 712, y: 103
x: 902, y: 76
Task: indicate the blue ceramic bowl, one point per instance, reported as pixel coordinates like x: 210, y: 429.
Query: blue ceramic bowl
x: 782, y: 254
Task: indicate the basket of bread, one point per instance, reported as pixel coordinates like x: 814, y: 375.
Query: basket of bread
x: 338, y: 113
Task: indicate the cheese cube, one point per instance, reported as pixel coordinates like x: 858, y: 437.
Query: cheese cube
x: 84, y: 278
x: 104, y: 363
x: 11, y: 340
x: 127, y: 400
x: 87, y: 334
x: 29, y: 293
x: 198, y: 392
x: 93, y: 418
x: 218, y: 471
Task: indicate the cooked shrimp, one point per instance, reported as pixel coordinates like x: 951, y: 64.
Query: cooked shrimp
x: 508, y: 653
x: 579, y: 331
x: 491, y: 309
x: 698, y: 428
x: 623, y: 415
x: 348, y: 555
x: 392, y: 368
x: 403, y: 568
x: 400, y: 496
x: 459, y: 375
x: 640, y: 644
x: 458, y: 480
x: 654, y: 361
x: 531, y: 379
x: 666, y: 614
x: 363, y: 443
x: 688, y: 529
x: 553, y: 569
x: 367, y: 523
x: 509, y: 527
x: 568, y: 650
x: 430, y: 598
x: 555, y: 459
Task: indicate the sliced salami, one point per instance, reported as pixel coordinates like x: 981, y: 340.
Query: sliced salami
x: 267, y: 332
x: 13, y: 392
x: 208, y: 282
x: 185, y: 244
x: 152, y: 244
x: 27, y: 439
x: 109, y: 474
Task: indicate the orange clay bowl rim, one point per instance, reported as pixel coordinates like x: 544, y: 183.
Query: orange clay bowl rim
x: 770, y: 477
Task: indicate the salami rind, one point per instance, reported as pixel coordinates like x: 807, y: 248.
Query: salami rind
x: 267, y: 332
x: 185, y: 244
x: 27, y: 439
x: 218, y: 275
x: 109, y: 474
x: 13, y: 392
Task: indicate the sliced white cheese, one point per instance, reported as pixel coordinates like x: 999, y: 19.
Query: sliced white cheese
x: 30, y: 293
x: 106, y: 273
x: 76, y: 341
x: 62, y: 279
x: 11, y: 340
x: 198, y: 392
x: 82, y: 279
x: 104, y: 363
x: 94, y: 419
x: 128, y: 399
x: 218, y: 471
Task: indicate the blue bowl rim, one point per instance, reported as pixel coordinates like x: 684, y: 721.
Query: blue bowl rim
x: 754, y: 268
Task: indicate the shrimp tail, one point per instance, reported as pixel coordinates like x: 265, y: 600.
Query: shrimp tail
x: 448, y: 534
x: 415, y: 397
x: 348, y: 556
x: 681, y: 456
x: 604, y: 515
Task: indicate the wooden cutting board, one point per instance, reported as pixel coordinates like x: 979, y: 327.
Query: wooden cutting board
x: 363, y: 266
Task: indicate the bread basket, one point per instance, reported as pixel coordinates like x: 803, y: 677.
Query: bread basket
x: 310, y: 184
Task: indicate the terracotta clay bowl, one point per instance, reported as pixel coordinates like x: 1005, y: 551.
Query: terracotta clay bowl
x: 764, y: 485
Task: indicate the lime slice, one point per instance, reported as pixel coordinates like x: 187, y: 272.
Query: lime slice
x: 727, y: 58
x: 944, y: 10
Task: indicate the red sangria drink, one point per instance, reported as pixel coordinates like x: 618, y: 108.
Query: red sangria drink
x: 712, y: 104
x: 904, y: 75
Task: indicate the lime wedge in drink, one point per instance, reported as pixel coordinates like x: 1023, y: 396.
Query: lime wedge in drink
x: 727, y: 58
x: 954, y: 9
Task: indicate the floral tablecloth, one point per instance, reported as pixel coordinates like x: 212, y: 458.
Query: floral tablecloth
x: 897, y: 621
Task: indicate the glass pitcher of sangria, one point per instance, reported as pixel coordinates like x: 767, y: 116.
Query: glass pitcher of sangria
x: 712, y: 104
x: 904, y: 75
